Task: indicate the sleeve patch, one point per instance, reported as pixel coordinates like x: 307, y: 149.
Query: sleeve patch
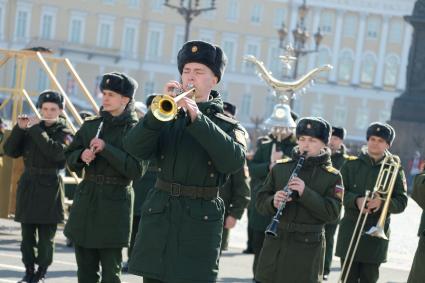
x: 339, y: 191
x: 240, y: 137
x: 68, y: 139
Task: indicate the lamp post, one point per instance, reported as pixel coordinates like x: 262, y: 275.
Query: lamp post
x: 189, y: 12
x: 301, y: 36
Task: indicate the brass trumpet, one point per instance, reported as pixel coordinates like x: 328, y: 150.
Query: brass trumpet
x: 164, y: 106
x: 383, y: 188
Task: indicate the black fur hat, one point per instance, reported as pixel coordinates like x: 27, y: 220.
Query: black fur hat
x: 50, y: 96
x: 339, y: 132
x: 316, y: 127
x: 229, y: 107
x: 119, y: 83
x: 382, y: 130
x: 205, y: 53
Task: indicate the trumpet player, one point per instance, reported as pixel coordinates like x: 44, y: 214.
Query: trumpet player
x: 100, y: 220
x: 359, y: 175
x: 39, y: 198
x: 182, y: 218
x: 296, y: 252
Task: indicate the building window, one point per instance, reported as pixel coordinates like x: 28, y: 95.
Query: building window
x: 279, y: 17
x: 323, y: 58
x: 129, y: 41
x: 47, y: 26
x: 229, y: 47
x: 345, y: 66
x: 1, y: 22
x: 133, y: 3
x: 327, y: 22
x: 156, y: 5
x: 251, y: 49
x: 246, y: 105
x: 148, y: 88
x: 395, y: 32
x: 340, y: 116
x: 350, y: 26
x: 275, y: 64
x: 392, y: 65
x: 232, y: 10
x: 105, y: 35
x: 108, y: 2
x: 362, y: 119
x: 373, y: 28
x: 43, y: 81
x: 368, y: 69
x: 153, y: 48
x: 76, y: 31
x: 256, y: 12
x: 178, y: 43
x: 21, y: 29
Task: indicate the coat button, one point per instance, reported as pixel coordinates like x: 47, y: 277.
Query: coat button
x: 162, y: 156
x: 150, y: 209
x: 209, y: 162
x: 208, y: 110
x: 159, y: 169
x: 212, y: 175
x: 205, y: 217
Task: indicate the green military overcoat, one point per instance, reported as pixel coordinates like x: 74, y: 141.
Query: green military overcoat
x: 40, y: 196
x: 143, y: 185
x: 417, y: 273
x: 179, y: 237
x: 296, y: 254
x: 258, y: 171
x: 339, y: 157
x: 102, y: 210
x: 360, y: 175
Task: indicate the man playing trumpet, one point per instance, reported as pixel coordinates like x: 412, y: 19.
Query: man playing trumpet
x: 182, y: 218
x: 360, y: 175
x: 39, y: 199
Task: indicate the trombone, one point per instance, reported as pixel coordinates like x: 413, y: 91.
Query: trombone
x: 164, y: 106
x: 383, y: 188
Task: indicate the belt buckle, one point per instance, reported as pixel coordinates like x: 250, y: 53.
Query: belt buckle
x: 100, y: 179
x: 175, y: 190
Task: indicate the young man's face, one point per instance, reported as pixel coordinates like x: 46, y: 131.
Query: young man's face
x: 113, y: 102
x: 335, y: 143
x: 376, y: 146
x: 311, y: 145
x: 201, y: 77
x: 50, y: 111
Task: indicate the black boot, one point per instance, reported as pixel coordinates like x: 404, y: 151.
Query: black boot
x: 39, y: 275
x: 29, y: 274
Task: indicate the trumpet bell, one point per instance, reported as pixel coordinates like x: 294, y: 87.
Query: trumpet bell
x: 164, y: 108
x: 377, y: 231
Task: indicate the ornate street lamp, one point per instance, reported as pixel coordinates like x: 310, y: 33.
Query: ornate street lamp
x: 189, y: 12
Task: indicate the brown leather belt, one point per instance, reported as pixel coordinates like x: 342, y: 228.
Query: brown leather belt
x: 177, y: 190
x: 45, y: 171
x: 107, y: 180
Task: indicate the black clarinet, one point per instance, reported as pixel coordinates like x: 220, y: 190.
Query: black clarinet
x: 272, y: 228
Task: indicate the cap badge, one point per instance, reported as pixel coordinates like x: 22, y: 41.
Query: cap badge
x: 194, y: 49
x: 47, y: 95
x: 107, y: 81
x: 308, y: 126
x: 378, y: 129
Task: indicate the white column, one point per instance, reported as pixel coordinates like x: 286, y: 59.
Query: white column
x: 336, y: 45
x: 382, y: 52
x: 407, y: 41
x: 359, y: 49
x: 316, y: 23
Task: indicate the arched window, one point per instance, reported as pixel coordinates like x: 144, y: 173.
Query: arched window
x: 392, y: 65
x: 368, y: 69
x: 345, y: 66
x: 323, y: 58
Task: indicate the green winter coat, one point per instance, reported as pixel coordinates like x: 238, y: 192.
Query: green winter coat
x: 102, y: 212
x: 297, y: 253
x: 179, y: 237
x: 417, y: 273
x: 339, y: 157
x: 236, y: 193
x: 40, y: 197
x: 258, y: 171
x: 360, y: 175
x: 143, y: 185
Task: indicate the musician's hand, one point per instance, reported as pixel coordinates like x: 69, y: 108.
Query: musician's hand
x: 87, y: 156
x: 97, y: 145
x: 190, y: 106
x: 33, y: 121
x: 23, y: 121
x: 230, y: 222
x: 359, y: 203
x: 276, y: 155
x: 374, y: 204
x: 279, y: 197
x: 171, y: 86
x: 296, y: 184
